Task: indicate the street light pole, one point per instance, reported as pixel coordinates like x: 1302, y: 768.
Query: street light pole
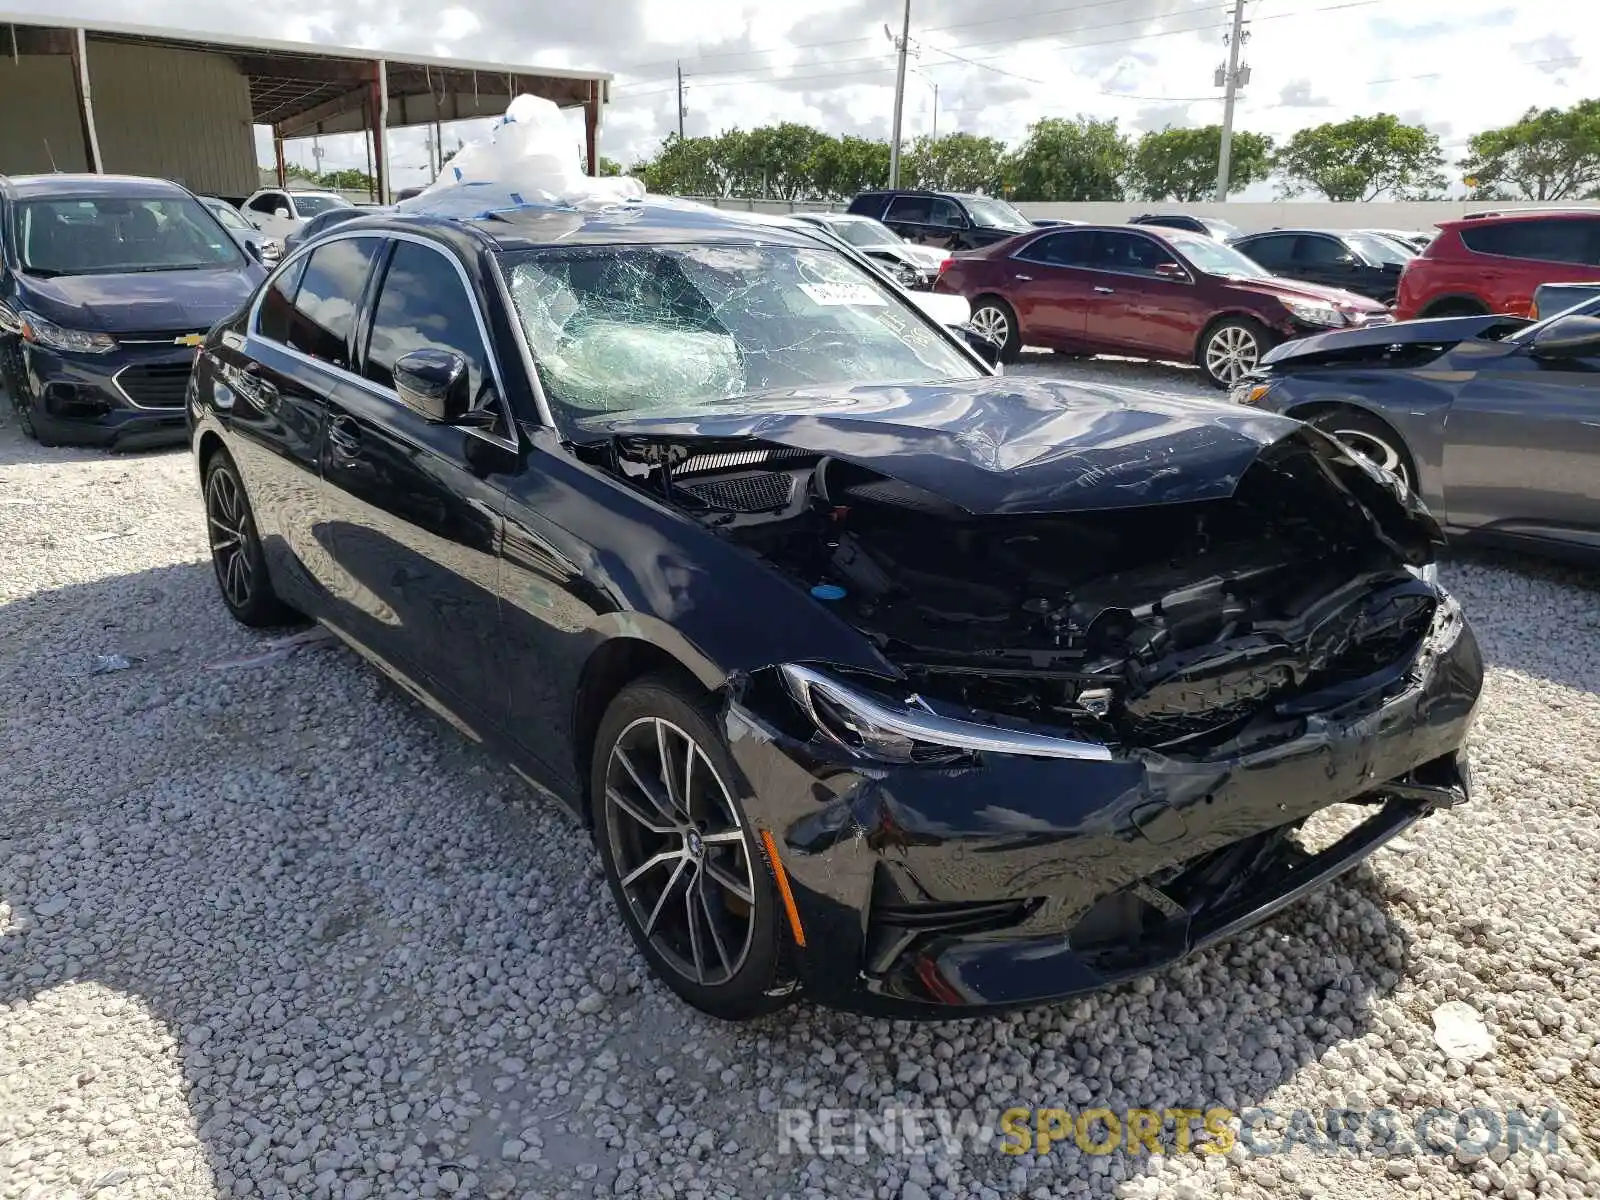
x: 899, y: 97
x: 1232, y: 84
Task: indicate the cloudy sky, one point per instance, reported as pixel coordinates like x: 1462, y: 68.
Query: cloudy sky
x: 1456, y: 65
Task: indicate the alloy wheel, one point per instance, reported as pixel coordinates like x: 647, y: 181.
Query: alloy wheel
x: 678, y: 844
x: 1231, y: 353
x: 1375, y: 450
x: 991, y: 323
x: 228, y: 524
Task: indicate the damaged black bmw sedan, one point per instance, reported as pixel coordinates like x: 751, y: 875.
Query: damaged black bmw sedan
x: 879, y: 678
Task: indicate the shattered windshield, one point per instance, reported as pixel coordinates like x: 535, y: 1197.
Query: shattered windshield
x: 669, y: 328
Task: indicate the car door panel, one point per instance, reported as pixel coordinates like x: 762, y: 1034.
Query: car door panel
x: 1137, y: 310
x: 1050, y: 295
x: 1521, y: 443
x: 414, y: 509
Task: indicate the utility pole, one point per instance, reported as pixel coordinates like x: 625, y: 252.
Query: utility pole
x: 934, y: 133
x: 1231, y: 83
x: 904, y: 44
x: 680, y: 100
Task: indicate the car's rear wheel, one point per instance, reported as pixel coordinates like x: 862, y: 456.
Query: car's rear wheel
x: 1373, y: 439
x: 681, y: 856
x: 236, y: 552
x: 1231, y: 349
x: 996, y: 320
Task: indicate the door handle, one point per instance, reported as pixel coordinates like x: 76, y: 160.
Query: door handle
x: 344, y: 435
x: 1104, y: 291
x: 1024, y: 278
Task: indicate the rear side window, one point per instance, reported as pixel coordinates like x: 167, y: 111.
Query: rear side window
x: 423, y: 306
x: 910, y: 208
x: 324, y: 312
x: 1060, y: 250
x: 944, y: 212
x: 1564, y: 240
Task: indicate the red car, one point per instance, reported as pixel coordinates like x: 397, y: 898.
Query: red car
x: 1492, y: 262
x: 1149, y: 293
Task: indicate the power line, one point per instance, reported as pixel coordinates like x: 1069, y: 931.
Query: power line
x: 628, y: 93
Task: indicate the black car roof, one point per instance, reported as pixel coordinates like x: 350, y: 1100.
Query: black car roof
x: 924, y: 192
x: 534, y: 227
x: 23, y: 187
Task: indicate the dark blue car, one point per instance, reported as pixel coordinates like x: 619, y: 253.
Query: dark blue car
x: 107, y: 286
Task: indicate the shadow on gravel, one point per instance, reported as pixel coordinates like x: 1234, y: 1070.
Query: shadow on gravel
x: 305, y: 879
x: 1532, y: 615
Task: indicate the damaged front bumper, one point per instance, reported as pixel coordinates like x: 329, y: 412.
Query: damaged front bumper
x: 1010, y: 879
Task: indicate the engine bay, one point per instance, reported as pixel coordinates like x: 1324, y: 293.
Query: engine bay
x: 1150, y: 626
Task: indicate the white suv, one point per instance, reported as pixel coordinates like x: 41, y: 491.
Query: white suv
x: 278, y: 213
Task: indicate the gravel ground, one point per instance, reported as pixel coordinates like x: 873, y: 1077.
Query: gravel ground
x: 276, y: 931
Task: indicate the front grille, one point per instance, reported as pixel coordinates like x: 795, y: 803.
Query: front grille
x: 158, y: 337
x: 756, y: 491
x: 154, y: 385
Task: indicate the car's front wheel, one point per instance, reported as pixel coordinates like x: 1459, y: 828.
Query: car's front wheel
x: 16, y: 393
x: 1372, y: 439
x: 1231, y: 349
x: 996, y: 320
x: 236, y: 552
x: 682, y: 858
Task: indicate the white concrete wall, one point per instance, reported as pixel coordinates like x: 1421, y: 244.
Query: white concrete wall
x: 1288, y: 213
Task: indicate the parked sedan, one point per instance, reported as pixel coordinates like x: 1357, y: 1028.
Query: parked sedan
x: 1214, y: 227
x: 1357, y: 262
x: 1137, y: 290
x: 915, y: 266
x: 1492, y: 420
x: 254, y: 243
x: 108, y: 283
x: 879, y: 678
x: 324, y: 221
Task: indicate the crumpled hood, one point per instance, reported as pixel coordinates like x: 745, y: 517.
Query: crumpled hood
x: 1297, y: 289
x: 1442, y: 330
x: 998, y: 444
x: 145, y: 301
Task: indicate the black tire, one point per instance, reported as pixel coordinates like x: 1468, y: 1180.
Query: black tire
x: 1454, y: 308
x: 640, y: 819
x: 1072, y: 355
x: 236, y: 554
x: 1224, y: 351
x: 996, y: 320
x: 1372, y: 438
x: 16, y: 394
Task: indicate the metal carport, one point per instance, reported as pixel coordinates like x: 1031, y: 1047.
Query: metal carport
x: 135, y: 100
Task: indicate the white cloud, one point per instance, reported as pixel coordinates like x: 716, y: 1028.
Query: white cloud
x: 1457, y: 65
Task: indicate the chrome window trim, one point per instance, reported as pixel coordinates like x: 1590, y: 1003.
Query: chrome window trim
x: 377, y: 389
x: 1016, y: 255
x: 524, y: 347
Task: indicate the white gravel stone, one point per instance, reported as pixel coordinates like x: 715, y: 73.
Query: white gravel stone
x: 277, y: 932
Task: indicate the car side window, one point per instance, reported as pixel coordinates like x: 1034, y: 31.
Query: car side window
x: 1271, y: 252
x: 1564, y: 241
x: 1314, y: 250
x: 1073, y: 249
x: 267, y: 202
x: 1129, y: 253
x: 277, y: 302
x: 324, y: 312
x: 424, y: 305
x: 913, y: 209
x: 944, y: 212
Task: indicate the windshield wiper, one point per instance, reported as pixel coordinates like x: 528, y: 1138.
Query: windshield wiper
x: 42, y: 272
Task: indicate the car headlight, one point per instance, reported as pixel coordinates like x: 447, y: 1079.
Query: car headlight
x: 1251, y: 391
x: 889, y: 731
x: 1315, y: 314
x: 35, y: 328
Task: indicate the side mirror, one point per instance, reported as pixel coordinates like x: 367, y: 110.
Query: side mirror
x: 1567, y: 338
x: 281, y: 213
x: 255, y: 251
x: 433, y: 383
x: 985, y: 349
x: 1171, y: 270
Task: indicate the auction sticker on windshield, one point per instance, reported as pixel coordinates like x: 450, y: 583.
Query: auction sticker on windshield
x: 843, y: 293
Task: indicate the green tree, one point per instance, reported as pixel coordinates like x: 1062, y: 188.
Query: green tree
x: 1181, y: 164
x: 610, y: 166
x: 774, y: 160
x: 1361, y: 159
x: 957, y: 162
x: 683, y: 167
x: 1549, y: 154
x: 841, y: 167
x: 1083, y: 159
x: 349, y: 179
